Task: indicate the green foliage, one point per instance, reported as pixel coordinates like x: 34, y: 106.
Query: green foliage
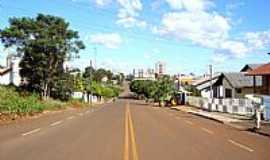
x: 44, y: 42
x: 159, y: 90
x: 97, y: 75
x: 99, y: 89
x: 165, y: 88
x: 12, y: 102
x: 78, y: 82
x: 194, y: 91
x: 119, y: 78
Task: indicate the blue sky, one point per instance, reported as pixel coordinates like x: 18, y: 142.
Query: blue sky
x: 187, y: 35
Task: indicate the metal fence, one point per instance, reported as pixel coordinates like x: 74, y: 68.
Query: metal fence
x: 234, y: 106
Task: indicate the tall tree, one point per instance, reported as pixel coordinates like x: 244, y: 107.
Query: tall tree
x: 45, y: 43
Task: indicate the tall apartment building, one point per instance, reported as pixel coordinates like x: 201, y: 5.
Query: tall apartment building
x: 160, y: 68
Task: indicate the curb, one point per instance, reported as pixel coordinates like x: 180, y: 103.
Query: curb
x: 262, y: 133
x: 214, y: 119
x: 197, y: 114
x: 238, y: 127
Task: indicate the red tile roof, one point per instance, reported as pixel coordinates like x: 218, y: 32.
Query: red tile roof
x: 261, y: 70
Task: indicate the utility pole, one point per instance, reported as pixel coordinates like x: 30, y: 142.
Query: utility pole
x: 179, y: 81
x: 211, y: 83
x: 95, y: 57
x: 90, y: 82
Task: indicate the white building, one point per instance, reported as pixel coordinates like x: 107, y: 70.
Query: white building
x: 160, y: 68
x: 9, y: 74
x: 142, y: 74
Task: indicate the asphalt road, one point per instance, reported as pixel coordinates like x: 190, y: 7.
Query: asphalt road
x: 128, y: 130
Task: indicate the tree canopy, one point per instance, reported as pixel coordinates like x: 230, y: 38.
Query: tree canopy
x: 45, y: 43
x: 160, y: 90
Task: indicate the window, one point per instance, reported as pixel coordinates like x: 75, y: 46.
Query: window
x: 239, y: 90
x: 228, y: 93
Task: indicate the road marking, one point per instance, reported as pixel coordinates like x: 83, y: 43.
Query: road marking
x: 126, y: 140
x: 87, y: 112
x: 31, y: 132
x: 177, y: 117
x: 56, y: 123
x: 133, y: 139
x: 241, y: 145
x: 129, y: 131
x: 71, y: 117
x: 207, y: 130
x: 189, y: 122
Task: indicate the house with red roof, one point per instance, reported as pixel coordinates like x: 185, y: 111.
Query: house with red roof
x: 264, y: 72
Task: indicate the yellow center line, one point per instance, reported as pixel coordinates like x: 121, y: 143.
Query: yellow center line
x: 129, y: 129
x: 126, y: 140
x: 133, y: 140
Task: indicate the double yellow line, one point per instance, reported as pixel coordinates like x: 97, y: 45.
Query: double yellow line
x: 129, y: 131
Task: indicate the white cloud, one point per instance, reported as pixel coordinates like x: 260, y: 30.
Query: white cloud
x: 109, y: 40
x: 129, y: 12
x: 237, y: 48
x: 102, y: 3
x: 190, y: 5
x: 194, y: 22
x: 199, y: 27
x: 258, y: 40
x: 131, y: 7
x: 129, y: 22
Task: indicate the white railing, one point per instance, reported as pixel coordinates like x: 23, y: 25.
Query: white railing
x: 234, y: 106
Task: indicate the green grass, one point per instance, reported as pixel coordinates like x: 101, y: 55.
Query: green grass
x: 12, y: 102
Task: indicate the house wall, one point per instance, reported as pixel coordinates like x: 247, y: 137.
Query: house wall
x: 266, y: 85
x: 4, y: 79
x: 13, y: 76
x: 16, y: 78
x: 226, y: 85
x: 205, y: 93
x: 244, y: 91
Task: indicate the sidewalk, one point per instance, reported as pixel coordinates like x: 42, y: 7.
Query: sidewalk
x: 236, y: 121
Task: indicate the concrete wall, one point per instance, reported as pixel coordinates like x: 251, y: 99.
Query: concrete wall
x: 233, y: 106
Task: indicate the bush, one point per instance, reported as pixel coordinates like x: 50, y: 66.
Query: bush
x: 160, y: 90
x: 21, y: 103
x: 11, y: 102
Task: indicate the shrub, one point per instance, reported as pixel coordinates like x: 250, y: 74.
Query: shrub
x: 11, y: 102
x: 21, y: 103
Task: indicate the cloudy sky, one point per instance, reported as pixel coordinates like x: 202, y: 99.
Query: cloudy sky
x: 186, y: 34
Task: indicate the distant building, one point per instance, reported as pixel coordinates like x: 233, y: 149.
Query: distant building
x: 185, y: 79
x: 160, y: 68
x: 142, y: 74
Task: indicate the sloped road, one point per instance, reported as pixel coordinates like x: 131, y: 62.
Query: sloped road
x: 131, y: 130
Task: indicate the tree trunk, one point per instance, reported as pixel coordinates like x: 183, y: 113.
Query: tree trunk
x: 44, y: 91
